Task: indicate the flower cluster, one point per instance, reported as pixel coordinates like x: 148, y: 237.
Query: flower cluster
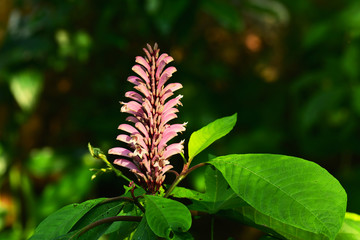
x: 151, y: 108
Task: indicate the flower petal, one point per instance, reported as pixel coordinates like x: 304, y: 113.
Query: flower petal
x: 172, y: 103
x: 175, y: 128
x: 126, y: 163
x: 128, y: 128
x: 165, y: 119
x: 165, y: 138
x: 134, y: 95
x: 162, y: 64
x: 132, y: 119
x: 143, y: 62
x: 165, y: 76
x: 131, y: 106
x: 141, y: 72
x: 173, y: 149
x: 135, y: 80
x: 120, y: 151
x: 142, y: 129
x: 138, y: 139
x: 170, y: 88
x: 124, y: 138
x: 162, y: 56
x: 143, y: 89
x: 166, y: 168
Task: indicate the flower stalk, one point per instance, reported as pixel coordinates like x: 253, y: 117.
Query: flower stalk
x: 151, y: 108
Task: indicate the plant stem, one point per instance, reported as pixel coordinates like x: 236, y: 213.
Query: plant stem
x: 212, y: 227
x: 114, y: 199
x: 182, y: 175
x: 107, y: 220
x: 136, y: 201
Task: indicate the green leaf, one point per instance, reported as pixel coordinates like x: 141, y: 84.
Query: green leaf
x: 101, y: 211
x: 202, y: 138
x: 350, y: 229
x: 166, y: 216
x: 218, y: 194
x: 61, y: 222
x: 122, y: 229
x: 143, y: 231
x: 268, y: 238
x: 183, y: 236
x: 296, y: 198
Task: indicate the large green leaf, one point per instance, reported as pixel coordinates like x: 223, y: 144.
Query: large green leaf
x: 61, y: 222
x: 296, y: 198
x: 218, y: 194
x: 101, y: 211
x: 143, y: 231
x: 350, y: 229
x: 202, y: 138
x: 166, y: 216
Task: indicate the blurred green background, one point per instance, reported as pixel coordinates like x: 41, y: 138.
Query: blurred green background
x: 290, y: 69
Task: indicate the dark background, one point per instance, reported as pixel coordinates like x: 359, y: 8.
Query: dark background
x: 290, y: 69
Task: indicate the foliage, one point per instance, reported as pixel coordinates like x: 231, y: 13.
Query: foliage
x: 287, y: 197
x: 288, y: 68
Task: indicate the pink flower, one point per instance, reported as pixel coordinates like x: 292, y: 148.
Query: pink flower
x: 151, y: 108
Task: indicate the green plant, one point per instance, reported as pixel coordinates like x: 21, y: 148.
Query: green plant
x: 286, y: 197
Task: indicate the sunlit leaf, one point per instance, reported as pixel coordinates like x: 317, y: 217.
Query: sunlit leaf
x: 202, y: 138
x: 296, y: 198
x: 350, y: 229
x: 166, y: 216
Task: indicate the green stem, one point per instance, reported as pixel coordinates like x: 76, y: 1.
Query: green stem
x: 182, y: 175
x: 106, y: 220
x: 114, y: 199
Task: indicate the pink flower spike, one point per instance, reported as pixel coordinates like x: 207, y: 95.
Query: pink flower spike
x: 120, y: 151
x: 151, y: 108
x: 143, y: 62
